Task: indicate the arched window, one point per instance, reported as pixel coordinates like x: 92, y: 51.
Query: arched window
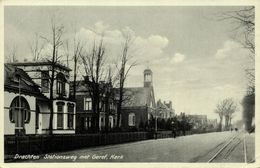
x: 19, y: 112
x: 131, y: 119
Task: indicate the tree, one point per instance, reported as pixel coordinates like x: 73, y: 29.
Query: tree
x: 244, y: 29
x: 77, y: 52
x: 12, y: 54
x: 109, y: 96
x: 226, y: 108
x: 36, y: 47
x: 93, y: 63
x: 185, y: 123
x: 244, y: 21
x: 56, y: 42
x: 123, y: 71
x: 248, y: 104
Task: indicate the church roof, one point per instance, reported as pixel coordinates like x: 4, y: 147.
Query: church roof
x: 138, y: 96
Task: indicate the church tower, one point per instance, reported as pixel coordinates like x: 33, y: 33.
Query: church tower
x: 148, y: 78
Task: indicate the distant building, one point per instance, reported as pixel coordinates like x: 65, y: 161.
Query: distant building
x: 164, y: 110
x: 139, y: 105
x: 212, y: 123
x: 63, y: 105
x: 198, y: 121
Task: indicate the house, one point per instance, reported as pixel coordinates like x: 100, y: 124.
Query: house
x: 84, y: 112
x: 212, y: 123
x: 22, y: 97
x: 164, y: 110
x: 139, y: 105
x: 198, y: 121
x: 63, y: 106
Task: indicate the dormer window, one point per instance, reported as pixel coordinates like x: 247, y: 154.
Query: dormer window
x: 16, y: 78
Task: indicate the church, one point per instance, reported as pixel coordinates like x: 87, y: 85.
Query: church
x: 139, y: 107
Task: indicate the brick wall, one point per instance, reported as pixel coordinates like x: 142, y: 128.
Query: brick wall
x: 141, y: 115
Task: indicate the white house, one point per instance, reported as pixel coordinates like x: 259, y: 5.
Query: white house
x: 21, y: 95
x: 63, y: 106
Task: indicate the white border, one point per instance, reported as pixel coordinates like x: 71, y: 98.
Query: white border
x: 128, y: 3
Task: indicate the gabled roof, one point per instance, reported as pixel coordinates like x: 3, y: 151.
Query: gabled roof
x: 27, y: 85
x: 138, y: 96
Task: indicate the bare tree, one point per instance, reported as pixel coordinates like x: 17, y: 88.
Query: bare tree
x: 108, y: 97
x: 12, y: 54
x: 36, y: 47
x: 56, y: 42
x: 77, y: 52
x: 226, y: 108
x: 93, y: 63
x: 123, y: 70
x: 244, y: 29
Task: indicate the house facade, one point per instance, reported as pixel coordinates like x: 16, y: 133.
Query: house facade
x: 199, y: 121
x: 21, y: 98
x: 63, y: 106
x: 84, y: 109
x: 139, y: 106
x: 164, y: 110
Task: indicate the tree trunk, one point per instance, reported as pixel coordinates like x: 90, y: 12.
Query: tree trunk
x: 74, y: 78
x: 220, y: 123
x: 119, y: 107
x: 226, y: 122
x: 51, y: 103
x: 107, y: 110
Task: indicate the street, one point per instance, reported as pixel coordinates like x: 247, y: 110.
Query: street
x: 193, y: 148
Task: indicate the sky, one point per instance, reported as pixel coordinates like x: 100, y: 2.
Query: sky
x: 196, y: 59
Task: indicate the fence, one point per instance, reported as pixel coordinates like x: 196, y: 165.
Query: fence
x: 38, y: 144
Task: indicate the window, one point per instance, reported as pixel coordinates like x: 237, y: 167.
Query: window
x: 88, y: 104
x: 60, y: 115
x: 45, y: 81
x: 131, y: 119
x: 19, y: 114
x: 61, y: 84
x: 111, y: 106
x: 70, y: 115
x: 88, y: 122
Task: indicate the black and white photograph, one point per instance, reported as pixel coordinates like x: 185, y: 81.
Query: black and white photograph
x: 138, y: 84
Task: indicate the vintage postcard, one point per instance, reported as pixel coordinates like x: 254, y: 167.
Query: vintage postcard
x: 172, y: 83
